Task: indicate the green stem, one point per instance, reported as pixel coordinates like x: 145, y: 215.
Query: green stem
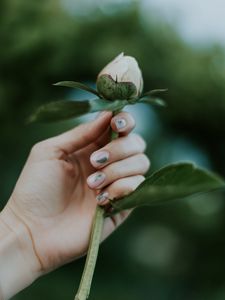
x: 96, y: 233
x: 85, y: 284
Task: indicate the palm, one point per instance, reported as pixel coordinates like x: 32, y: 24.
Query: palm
x: 68, y: 211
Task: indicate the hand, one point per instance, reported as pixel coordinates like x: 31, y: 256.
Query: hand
x: 54, y: 199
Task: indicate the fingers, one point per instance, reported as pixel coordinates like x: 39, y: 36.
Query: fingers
x: 134, y: 165
x: 82, y: 135
x: 123, y: 123
x: 96, y: 131
x: 119, y: 188
x: 117, y: 150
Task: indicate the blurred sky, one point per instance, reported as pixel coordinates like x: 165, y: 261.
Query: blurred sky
x: 199, y: 21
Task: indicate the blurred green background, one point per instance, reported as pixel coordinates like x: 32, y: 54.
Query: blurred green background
x: 174, y: 251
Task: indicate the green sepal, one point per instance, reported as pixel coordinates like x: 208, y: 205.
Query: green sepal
x: 153, y: 92
x: 153, y: 101
x: 112, y: 90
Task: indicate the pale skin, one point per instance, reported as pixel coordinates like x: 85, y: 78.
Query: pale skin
x: 47, y: 220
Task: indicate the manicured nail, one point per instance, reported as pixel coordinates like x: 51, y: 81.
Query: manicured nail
x: 120, y: 123
x: 100, y: 157
x: 102, y: 196
x: 96, y: 179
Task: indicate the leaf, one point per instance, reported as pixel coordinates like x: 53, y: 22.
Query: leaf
x: 153, y: 101
x: 169, y: 183
x: 63, y: 110
x: 59, y: 110
x: 153, y: 92
x: 77, y: 85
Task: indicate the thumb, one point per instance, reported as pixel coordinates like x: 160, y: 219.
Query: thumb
x: 83, y: 135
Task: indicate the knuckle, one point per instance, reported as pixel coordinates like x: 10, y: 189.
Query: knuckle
x: 130, y: 189
x: 136, y: 181
x: 117, y: 145
x: 42, y: 147
x: 125, y: 186
x: 140, y: 179
x: 116, y: 190
x: 144, y: 162
x: 138, y: 140
x: 122, y: 147
x: 36, y: 147
x: 121, y: 189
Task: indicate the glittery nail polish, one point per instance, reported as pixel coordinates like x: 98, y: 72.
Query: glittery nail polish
x: 100, y: 157
x: 102, y: 196
x: 96, y: 179
x: 120, y: 123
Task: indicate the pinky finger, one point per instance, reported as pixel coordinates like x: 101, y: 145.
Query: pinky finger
x: 119, y: 188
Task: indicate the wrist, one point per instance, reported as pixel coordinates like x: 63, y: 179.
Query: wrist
x: 18, y: 262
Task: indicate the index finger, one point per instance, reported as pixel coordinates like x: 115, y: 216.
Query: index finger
x: 123, y: 123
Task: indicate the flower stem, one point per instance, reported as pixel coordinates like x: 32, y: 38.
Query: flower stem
x: 85, y: 284
x: 96, y: 233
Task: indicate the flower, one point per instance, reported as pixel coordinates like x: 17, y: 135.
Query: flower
x: 120, y: 79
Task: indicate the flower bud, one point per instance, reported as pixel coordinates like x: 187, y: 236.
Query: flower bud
x: 120, y: 79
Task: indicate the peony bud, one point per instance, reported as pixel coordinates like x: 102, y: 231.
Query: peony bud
x: 120, y: 79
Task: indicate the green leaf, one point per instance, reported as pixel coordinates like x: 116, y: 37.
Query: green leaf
x: 59, y: 110
x: 63, y: 110
x: 153, y: 92
x: 77, y: 85
x: 169, y: 183
x: 153, y: 101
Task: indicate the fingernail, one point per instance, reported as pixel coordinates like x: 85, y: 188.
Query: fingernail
x: 100, y: 157
x: 96, y: 179
x: 120, y: 123
x: 102, y: 196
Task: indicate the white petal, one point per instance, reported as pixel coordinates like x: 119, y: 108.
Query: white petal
x: 133, y: 73
x: 141, y: 85
x: 118, y: 57
x: 124, y: 69
x: 116, y: 68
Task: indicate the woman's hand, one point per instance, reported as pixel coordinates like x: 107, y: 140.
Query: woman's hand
x: 53, y: 204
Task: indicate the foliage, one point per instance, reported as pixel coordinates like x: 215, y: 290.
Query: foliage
x: 170, y: 183
x: 63, y: 110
